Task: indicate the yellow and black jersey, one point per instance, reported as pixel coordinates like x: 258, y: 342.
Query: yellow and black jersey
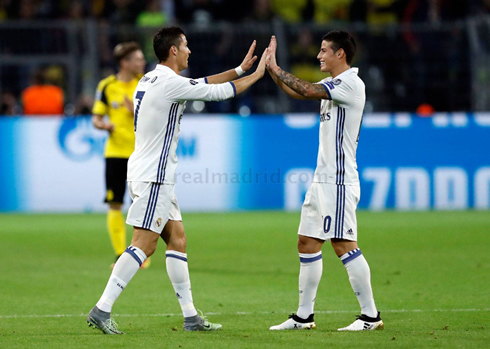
x: 109, y: 100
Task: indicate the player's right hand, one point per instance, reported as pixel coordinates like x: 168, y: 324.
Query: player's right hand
x: 261, y: 67
x: 249, y: 59
x: 110, y: 127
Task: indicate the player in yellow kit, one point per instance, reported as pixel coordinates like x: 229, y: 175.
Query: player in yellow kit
x: 114, y: 98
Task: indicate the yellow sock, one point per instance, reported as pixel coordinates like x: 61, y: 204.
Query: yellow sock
x: 117, y: 231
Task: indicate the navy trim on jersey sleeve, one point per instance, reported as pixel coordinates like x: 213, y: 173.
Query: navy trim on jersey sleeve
x: 326, y: 89
x: 234, y: 88
x: 206, y: 80
x: 103, y: 97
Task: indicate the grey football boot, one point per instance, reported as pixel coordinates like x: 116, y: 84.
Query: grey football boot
x: 200, y: 323
x: 102, y: 320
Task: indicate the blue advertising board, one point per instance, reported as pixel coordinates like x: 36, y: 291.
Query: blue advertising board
x: 228, y: 162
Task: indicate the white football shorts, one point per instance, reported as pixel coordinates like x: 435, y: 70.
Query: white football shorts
x: 154, y: 204
x: 329, y: 211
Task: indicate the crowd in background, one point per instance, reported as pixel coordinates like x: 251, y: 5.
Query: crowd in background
x: 302, y: 45
x: 160, y: 12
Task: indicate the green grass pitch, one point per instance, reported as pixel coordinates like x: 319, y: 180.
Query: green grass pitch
x: 430, y: 276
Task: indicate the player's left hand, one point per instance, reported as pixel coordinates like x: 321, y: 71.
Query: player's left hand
x: 271, y: 63
x: 249, y: 59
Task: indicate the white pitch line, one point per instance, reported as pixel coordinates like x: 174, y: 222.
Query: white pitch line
x: 250, y: 313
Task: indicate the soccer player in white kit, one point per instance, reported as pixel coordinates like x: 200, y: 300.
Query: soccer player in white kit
x: 329, y: 209
x: 159, y: 101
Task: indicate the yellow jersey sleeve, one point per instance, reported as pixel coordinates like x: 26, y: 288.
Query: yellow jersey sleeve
x: 101, y: 104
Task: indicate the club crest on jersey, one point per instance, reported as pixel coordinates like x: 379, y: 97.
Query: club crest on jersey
x: 193, y: 82
x: 115, y: 105
x: 158, y: 222
x: 336, y: 82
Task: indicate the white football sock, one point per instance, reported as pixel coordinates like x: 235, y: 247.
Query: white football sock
x: 178, y: 272
x: 310, y: 273
x: 360, y: 280
x: 125, y: 268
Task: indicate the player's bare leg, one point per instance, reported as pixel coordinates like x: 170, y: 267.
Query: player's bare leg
x: 145, y: 239
x: 311, y: 268
x: 360, y: 280
x: 143, y: 244
x: 174, y: 236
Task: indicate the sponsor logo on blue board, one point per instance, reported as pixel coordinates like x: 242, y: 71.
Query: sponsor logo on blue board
x: 78, y: 140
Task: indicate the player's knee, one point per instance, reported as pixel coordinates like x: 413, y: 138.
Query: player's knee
x: 341, y: 246
x: 146, y: 246
x: 309, y: 245
x: 301, y: 244
x: 149, y: 250
x: 115, y: 206
x: 145, y: 240
x: 338, y: 249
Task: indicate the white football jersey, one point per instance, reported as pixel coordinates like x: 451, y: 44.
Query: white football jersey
x: 159, y: 102
x: 340, y: 124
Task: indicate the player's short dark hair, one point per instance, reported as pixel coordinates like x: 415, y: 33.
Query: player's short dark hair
x: 123, y: 50
x: 342, y: 40
x: 164, y: 39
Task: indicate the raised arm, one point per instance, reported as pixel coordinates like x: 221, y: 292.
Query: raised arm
x: 244, y: 83
x: 292, y: 85
x: 291, y: 93
x: 232, y: 74
x: 183, y: 89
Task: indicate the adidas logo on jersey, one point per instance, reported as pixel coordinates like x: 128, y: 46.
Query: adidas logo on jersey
x: 350, y: 232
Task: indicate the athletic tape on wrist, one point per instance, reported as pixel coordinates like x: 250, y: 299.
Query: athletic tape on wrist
x: 239, y: 70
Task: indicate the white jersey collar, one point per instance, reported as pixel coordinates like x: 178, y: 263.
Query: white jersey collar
x: 348, y: 71
x: 164, y: 68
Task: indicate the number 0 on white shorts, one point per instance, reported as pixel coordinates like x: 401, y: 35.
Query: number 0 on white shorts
x: 329, y: 211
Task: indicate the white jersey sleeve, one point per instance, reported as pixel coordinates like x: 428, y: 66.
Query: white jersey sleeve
x: 341, y: 91
x: 185, y: 89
